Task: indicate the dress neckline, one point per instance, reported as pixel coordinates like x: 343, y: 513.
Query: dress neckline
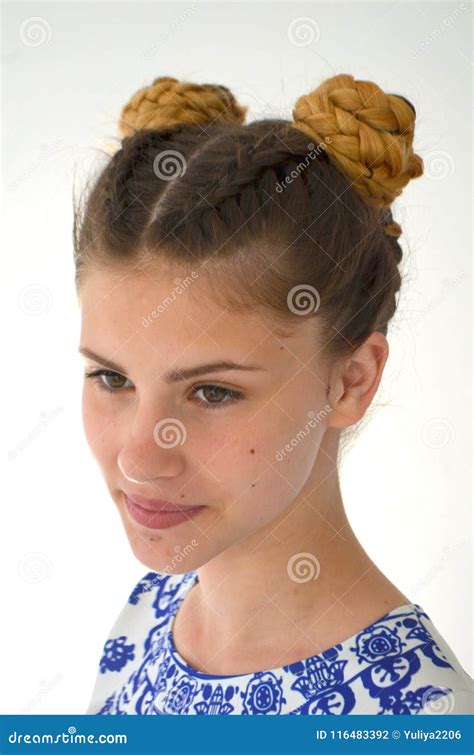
x: 318, y: 657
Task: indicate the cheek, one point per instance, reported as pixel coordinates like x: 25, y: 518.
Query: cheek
x: 265, y: 462
x: 98, y: 425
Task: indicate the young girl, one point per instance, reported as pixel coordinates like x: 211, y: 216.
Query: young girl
x: 239, y: 279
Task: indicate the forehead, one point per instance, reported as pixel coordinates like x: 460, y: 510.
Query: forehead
x: 170, y: 312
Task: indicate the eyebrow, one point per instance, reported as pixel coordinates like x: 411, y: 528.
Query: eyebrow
x: 175, y: 375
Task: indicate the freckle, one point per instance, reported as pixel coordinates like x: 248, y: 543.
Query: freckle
x: 252, y: 450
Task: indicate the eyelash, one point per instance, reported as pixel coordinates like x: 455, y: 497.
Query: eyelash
x: 95, y: 376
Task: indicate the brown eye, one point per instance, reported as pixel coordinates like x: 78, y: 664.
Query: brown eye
x: 215, y: 396
x: 214, y: 393
x: 97, y: 375
x: 113, y: 379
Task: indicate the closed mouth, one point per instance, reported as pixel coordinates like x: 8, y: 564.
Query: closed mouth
x: 158, y: 505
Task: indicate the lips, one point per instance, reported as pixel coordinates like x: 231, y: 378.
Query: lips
x: 156, y: 504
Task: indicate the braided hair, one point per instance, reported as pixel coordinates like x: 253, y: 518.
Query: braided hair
x: 266, y: 208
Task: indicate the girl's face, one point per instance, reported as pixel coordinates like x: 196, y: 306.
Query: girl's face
x: 240, y: 443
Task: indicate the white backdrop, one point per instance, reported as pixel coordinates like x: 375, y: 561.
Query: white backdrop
x: 68, y: 68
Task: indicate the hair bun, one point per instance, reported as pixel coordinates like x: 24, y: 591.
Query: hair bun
x: 368, y: 133
x: 168, y: 102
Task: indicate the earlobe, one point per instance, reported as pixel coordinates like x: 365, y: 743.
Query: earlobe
x: 338, y: 399
x: 343, y: 410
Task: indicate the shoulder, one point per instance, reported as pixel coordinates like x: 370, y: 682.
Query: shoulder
x: 149, y: 608
x: 448, y: 688
x: 156, y: 588
x: 136, y: 633
x: 401, y: 664
x: 150, y: 581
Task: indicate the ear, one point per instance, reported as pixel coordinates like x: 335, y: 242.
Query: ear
x: 353, y: 383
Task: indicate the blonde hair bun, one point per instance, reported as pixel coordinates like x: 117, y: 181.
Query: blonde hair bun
x: 168, y: 102
x: 368, y: 133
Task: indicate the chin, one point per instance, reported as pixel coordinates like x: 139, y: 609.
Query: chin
x: 160, y: 553
x: 157, y: 556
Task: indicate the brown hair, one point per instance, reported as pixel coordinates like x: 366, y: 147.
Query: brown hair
x: 278, y: 212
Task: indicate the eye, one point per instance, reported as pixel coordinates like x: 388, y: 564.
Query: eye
x: 96, y: 376
x: 217, y: 395
x: 216, y: 392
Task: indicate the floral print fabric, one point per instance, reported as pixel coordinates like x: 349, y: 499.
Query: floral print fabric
x: 399, y: 664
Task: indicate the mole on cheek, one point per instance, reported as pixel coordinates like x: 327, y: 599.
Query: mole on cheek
x: 252, y: 450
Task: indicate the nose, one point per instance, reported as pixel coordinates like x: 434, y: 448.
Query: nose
x: 154, y: 453
x: 137, y: 470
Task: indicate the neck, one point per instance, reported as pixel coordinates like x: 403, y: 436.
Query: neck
x: 305, y: 569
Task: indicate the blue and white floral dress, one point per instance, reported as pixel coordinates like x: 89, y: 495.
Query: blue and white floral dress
x: 400, y: 664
